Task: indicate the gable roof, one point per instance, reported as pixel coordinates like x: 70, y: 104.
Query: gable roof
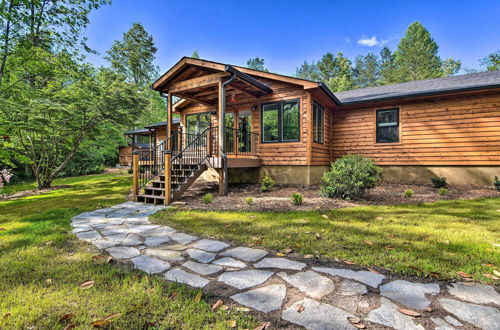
x: 467, y: 82
x: 182, y: 68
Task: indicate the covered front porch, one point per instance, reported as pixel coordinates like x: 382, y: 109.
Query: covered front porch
x: 215, y: 105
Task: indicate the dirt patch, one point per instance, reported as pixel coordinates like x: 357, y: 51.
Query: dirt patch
x: 278, y: 199
x: 31, y: 192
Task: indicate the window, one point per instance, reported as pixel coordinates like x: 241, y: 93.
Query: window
x: 318, y: 123
x: 387, y: 125
x: 281, y: 121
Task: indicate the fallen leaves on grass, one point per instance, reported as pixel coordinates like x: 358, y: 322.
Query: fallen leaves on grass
x: 2, y: 229
x: 493, y: 277
x: 66, y: 316
x: 308, y: 256
x: 287, y: 250
x: 373, y: 270
x: 348, y: 262
x: 197, y: 299
x: 70, y: 326
x: 6, y: 316
x: 409, y: 312
x: 464, y: 275
x: 231, y: 323
x: 217, y: 304
x: 87, y: 284
x: 368, y: 242
x: 389, y: 247
x: 263, y: 326
x: 105, y: 321
x: 224, y: 307
x: 497, y: 273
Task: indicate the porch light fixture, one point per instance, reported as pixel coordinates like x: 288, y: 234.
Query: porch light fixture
x: 232, y: 99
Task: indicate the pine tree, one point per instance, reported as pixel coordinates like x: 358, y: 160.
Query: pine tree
x: 307, y: 71
x: 417, y: 57
x: 195, y: 54
x: 336, y: 72
x: 451, y: 67
x: 492, y: 61
x: 257, y: 64
x: 387, y: 65
x: 366, y: 70
x: 133, y: 56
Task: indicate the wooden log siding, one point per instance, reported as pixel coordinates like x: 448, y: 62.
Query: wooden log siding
x: 462, y: 130
x: 284, y: 153
x: 321, y: 152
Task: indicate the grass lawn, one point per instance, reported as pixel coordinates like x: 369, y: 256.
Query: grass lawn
x: 435, y: 239
x: 42, y: 266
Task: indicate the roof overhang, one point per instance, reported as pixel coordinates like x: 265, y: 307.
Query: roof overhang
x: 246, y: 78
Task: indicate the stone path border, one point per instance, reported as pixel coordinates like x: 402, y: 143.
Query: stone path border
x: 313, y: 297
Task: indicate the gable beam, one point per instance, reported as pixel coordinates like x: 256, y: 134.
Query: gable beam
x: 190, y: 84
x: 194, y: 98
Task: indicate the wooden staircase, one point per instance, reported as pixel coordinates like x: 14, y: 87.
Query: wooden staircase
x: 162, y: 176
x: 182, y: 177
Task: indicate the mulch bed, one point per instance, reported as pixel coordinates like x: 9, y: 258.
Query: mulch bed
x: 278, y: 199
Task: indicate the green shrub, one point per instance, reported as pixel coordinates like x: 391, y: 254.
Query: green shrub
x: 249, y: 200
x: 297, y: 199
x: 208, y: 198
x: 496, y: 183
x: 408, y: 193
x: 130, y: 171
x: 439, y: 182
x: 442, y: 191
x: 267, y: 183
x: 350, y: 176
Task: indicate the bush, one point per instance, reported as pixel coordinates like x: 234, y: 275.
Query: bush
x: 350, y: 176
x: 130, y: 171
x: 408, y: 193
x: 297, y: 199
x: 442, y: 191
x: 267, y: 183
x: 249, y: 200
x: 439, y: 182
x: 208, y: 198
x: 496, y: 183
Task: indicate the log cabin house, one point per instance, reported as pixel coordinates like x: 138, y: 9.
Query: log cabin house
x: 292, y: 129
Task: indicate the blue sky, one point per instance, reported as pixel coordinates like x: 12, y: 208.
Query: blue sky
x: 285, y: 33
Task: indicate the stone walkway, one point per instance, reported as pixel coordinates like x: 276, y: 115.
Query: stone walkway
x: 312, y: 297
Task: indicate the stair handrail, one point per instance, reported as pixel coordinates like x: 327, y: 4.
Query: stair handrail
x: 155, y: 159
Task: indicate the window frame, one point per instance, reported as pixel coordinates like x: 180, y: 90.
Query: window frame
x: 322, y: 108
x: 280, y: 121
x: 198, y: 120
x: 398, y: 109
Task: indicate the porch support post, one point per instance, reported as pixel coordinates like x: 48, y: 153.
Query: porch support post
x: 169, y: 121
x: 135, y: 175
x: 220, y: 138
x: 168, y: 177
x: 223, y: 184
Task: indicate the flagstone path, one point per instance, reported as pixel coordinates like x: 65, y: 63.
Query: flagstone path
x: 313, y: 297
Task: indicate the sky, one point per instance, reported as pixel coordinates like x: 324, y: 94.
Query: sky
x: 285, y: 33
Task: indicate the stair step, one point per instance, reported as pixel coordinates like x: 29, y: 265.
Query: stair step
x: 151, y: 196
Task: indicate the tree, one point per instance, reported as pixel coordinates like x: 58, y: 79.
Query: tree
x: 308, y: 71
x: 366, y: 71
x: 67, y: 103
x: 451, y: 67
x: 257, y: 64
x: 416, y: 57
x: 492, y: 61
x: 195, y: 54
x: 50, y: 100
x: 133, y: 56
x: 388, y: 71
x: 336, y: 72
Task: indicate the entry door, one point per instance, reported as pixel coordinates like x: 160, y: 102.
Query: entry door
x: 196, y: 124
x: 244, y: 131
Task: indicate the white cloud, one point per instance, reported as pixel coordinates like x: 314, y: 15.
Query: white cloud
x: 370, y: 42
